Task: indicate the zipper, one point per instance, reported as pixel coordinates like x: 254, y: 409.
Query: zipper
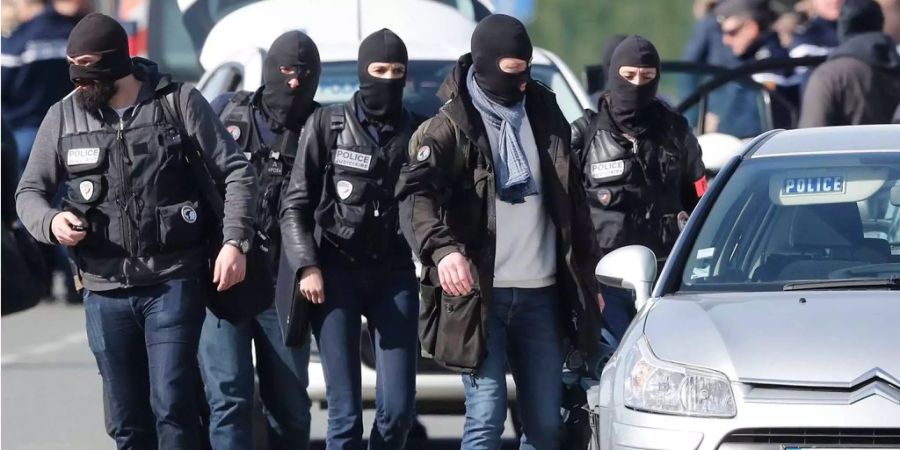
x: 127, y: 231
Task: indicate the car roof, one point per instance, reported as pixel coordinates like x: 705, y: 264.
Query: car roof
x: 829, y: 140
x: 430, y: 30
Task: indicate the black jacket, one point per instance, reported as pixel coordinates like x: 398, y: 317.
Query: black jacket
x: 858, y: 85
x: 448, y: 200
x: 636, y: 189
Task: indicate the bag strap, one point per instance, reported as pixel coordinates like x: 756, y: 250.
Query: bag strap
x: 336, y: 124
x: 172, y: 108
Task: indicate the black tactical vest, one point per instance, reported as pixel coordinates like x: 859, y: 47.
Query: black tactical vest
x: 634, y: 190
x: 358, y: 214
x: 273, y: 165
x: 127, y: 178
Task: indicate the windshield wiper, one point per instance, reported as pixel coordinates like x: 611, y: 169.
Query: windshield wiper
x: 892, y: 284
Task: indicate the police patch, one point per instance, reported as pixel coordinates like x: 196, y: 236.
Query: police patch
x: 189, y: 214
x: 604, y: 196
x: 423, y: 153
x: 86, y: 188
x: 79, y: 156
x: 354, y: 160
x: 344, y: 189
x: 234, y: 131
x: 607, y: 169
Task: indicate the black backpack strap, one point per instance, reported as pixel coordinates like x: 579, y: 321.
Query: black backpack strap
x: 173, y: 110
x: 337, y: 123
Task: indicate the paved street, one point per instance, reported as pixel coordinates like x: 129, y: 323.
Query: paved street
x: 51, y: 388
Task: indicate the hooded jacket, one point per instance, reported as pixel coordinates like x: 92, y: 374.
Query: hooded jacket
x: 154, y: 238
x: 448, y: 193
x: 858, y: 85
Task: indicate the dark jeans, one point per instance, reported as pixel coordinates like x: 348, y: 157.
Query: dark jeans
x: 227, y: 366
x: 145, y: 342
x: 619, y: 310
x: 390, y: 302
x: 523, y: 329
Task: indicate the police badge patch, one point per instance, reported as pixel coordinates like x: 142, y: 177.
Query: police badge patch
x: 235, y: 131
x: 189, y: 214
x: 604, y: 196
x: 344, y: 189
x: 423, y: 153
x: 87, y: 189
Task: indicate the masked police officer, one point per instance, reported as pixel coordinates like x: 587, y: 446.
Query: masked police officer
x: 135, y: 227
x: 642, y: 167
x: 341, y: 239
x: 266, y: 125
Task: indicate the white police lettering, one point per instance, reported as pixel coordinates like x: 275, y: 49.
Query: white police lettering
x: 607, y: 169
x: 353, y: 160
x: 813, y: 185
x: 80, y: 156
x: 87, y: 189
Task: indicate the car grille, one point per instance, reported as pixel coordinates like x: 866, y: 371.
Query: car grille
x: 816, y: 436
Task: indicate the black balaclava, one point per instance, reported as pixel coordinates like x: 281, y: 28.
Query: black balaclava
x: 288, y: 107
x: 381, y: 99
x: 496, y: 37
x: 859, y: 16
x: 99, y: 34
x: 628, y: 102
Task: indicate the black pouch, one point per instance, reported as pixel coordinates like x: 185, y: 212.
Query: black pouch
x: 460, y: 343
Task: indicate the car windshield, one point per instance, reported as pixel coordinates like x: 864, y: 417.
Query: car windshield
x: 339, y: 81
x: 788, y: 220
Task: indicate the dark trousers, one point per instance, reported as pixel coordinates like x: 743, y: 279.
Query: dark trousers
x: 226, y: 362
x: 145, y: 342
x: 389, y: 300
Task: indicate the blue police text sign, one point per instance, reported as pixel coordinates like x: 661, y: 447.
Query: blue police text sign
x: 831, y: 184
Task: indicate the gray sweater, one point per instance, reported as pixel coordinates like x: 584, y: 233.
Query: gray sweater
x: 45, y: 173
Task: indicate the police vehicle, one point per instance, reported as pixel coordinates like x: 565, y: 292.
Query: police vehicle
x: 774, y: 322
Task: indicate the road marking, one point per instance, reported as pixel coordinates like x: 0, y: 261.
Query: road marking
x: 43, y: 349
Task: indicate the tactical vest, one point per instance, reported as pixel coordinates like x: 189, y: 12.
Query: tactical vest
x: 127, y: 181
x: 273, y: 164
x: 357, y: 212
x: 635, y: 199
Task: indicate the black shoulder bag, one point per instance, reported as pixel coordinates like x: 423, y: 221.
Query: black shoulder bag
x: 254, y: 295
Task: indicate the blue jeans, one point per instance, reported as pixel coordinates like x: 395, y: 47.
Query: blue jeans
x: 619, y: 310
x: 390, y: 302
x: 24, y: 137
x: 523, y: 329
x: 145, y: 342
x: 227, y: 367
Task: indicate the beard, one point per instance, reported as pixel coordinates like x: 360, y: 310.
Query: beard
x: 94, y: 96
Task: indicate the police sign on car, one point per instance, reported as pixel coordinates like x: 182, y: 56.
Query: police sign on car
x: 833, y: 184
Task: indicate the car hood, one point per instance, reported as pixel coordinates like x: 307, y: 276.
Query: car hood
x: 827, y: 339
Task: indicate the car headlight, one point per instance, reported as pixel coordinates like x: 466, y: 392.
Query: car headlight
x: 662, y: 387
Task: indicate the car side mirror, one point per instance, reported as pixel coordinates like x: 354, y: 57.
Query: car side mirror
x: 632, y: 267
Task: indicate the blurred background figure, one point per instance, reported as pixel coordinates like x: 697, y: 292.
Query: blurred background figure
x: 818, y: 36
x: 597, y: 74
x: 891, y: 10
x: 35, y: 72
x: 860, y: 82
x: 35, y: 75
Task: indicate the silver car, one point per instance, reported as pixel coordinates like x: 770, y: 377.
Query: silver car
x: 775, y: 323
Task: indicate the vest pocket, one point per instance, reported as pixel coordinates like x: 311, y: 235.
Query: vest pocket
x: 344, y: 209
x: 87, y: 189
x: 180, y: 224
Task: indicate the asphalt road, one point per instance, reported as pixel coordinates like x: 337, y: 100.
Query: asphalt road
x: 50, y: 389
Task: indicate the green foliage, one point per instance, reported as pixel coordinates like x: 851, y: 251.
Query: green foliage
x: 576, y: 29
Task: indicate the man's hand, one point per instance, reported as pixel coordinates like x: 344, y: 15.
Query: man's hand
x: 456, y: 278
x: 312, y: 285
x: 230, y: 269
x: 63, y: 229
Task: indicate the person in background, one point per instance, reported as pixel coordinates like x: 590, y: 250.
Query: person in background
x: 891, y: 10
x: 34, y: 68
x: 860, y: 82
x: 266, y: 125
x: 642, y: 167
x: 609, y: 46
x: 819, y: 35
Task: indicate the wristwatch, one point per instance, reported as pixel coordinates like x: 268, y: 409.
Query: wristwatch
x: 243, y: 246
